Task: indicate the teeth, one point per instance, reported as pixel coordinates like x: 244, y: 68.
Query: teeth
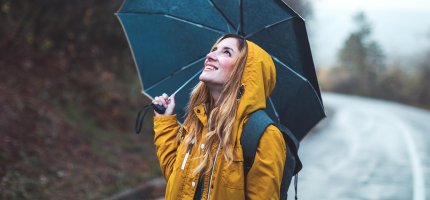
x: 211, y: 67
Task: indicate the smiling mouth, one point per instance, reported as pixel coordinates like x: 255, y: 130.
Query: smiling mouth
x: 210, y: 67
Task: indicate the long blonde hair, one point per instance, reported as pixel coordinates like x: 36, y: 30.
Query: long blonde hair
x: 221, y: 114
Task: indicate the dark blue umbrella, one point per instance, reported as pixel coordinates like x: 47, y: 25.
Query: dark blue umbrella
x: 169, y: 40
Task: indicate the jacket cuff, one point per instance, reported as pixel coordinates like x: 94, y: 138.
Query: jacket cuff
x: 165, y: 119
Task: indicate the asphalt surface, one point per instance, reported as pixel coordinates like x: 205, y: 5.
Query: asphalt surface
x: 367, y: 149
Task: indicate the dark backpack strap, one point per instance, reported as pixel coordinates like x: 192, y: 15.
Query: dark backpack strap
x: 293, y: 145
x: 199, y: 190
x: 251, y: 134
x: 292, y: 164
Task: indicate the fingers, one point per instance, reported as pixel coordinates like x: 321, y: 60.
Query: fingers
x: 157, y: 101
x: 162, y: 100
x: 165, y: 101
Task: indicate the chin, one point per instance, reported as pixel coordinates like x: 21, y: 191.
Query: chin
x: 205, y: 80
x: 202, y: 78
x: 209, y: 80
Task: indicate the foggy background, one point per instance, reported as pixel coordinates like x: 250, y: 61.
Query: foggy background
x: 69, y: 94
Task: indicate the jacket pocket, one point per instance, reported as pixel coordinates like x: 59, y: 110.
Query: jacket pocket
x: 233, y: 175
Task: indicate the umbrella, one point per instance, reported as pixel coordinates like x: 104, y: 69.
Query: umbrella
x: 169, y: 40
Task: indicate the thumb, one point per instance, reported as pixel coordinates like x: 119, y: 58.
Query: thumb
x: 172, y: 98
x: 171, y: 106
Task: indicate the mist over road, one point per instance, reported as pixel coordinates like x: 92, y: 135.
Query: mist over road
x: 367, y: 149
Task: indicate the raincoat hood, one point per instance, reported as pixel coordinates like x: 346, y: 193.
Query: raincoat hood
x: 259, y: 79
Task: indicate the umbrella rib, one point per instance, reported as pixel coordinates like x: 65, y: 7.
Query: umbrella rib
x: 286, y: 66
x: 274, y: 110
x: 178, y: 19
x: 131, y: 48
x: 194, y: 23
x: 222, y: 14
x: 302, y: 77
x: 186, y: 82
x: 270, y: 25
x: 176, y: 72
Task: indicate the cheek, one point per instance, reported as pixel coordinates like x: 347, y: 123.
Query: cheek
x: 229, y: 66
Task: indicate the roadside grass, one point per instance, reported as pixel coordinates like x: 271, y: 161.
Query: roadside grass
x: 81, y: 160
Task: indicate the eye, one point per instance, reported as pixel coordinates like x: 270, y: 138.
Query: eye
x: 227, y: 52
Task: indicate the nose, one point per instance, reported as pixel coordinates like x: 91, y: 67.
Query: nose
x: 211, y: 56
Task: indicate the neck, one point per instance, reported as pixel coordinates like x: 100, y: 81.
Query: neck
x: 215, y: 92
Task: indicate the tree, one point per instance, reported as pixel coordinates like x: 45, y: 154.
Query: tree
x: 362, y: 56
x: 421, y: 86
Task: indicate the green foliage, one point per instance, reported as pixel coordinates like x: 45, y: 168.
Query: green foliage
x: 69, y: 97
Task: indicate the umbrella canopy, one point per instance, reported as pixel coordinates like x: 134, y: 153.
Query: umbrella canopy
x: 169, y: 40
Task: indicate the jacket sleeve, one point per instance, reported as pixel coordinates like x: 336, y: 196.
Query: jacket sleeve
x: 265, y: 177
x: 166, y: 128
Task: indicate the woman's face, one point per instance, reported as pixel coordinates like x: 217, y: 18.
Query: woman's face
x: 220, y: 62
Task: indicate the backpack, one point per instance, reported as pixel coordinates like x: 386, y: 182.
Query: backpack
x: 252, y: 132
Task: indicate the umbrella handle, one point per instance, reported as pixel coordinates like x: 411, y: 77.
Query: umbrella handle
x: 159, y: 109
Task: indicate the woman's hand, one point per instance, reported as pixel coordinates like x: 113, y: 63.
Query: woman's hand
x: 167, y: 102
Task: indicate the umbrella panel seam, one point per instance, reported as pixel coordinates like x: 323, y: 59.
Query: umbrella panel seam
x: 222, y: 14
x: 175, y: 72
x: 177, y: 19
x: 131, y: 50
x: 271, y: 25
x: 302, y: 77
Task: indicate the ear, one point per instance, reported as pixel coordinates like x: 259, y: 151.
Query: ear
x: 241, y: 91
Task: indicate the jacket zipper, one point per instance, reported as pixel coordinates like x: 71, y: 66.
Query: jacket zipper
x: 212, y: 172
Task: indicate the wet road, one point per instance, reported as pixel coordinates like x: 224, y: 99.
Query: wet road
x: 368, y: 149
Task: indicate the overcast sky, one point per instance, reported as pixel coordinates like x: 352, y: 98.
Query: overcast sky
x: 401, y: 27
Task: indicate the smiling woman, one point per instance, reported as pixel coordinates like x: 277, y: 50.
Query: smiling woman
x: 204, y: 158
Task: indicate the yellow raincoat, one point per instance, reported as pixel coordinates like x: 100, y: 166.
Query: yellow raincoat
x: 228, y: 181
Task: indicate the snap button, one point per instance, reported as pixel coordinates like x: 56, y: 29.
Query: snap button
x: 202, y: 146
x: 193, y: 184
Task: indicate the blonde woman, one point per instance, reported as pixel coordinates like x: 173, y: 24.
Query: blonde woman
x: 203, y: 159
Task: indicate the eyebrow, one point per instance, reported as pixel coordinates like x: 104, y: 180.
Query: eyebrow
x: 229, y: 48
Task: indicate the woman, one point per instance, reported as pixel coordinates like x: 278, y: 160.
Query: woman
x: 204, y: 156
